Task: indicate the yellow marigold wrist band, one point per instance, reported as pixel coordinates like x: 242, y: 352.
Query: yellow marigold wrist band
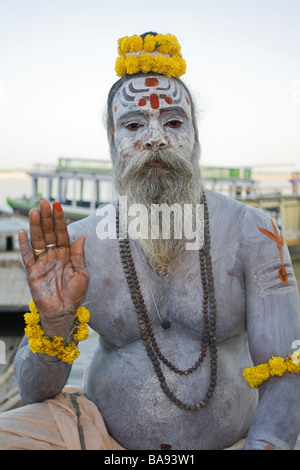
x: 256, y: 375
x: 66, y: 351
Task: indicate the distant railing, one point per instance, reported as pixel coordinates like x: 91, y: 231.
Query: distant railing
x: 65, y: 163
x: 105, y: 166
x: 226, y: 173
x: 43, y: 167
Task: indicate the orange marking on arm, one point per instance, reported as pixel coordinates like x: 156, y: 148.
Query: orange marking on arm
x: 279, y: 240
x: 283, y: 276
x: 269, y: 234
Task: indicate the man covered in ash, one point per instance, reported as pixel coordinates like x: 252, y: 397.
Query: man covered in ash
x: 196, y: 336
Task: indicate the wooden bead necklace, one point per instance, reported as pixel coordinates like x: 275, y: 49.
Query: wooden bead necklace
x: 208, y: 341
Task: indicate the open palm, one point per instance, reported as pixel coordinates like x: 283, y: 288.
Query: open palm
x: 55, y: 269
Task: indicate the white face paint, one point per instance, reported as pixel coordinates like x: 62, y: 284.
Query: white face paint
x: 152, y: 112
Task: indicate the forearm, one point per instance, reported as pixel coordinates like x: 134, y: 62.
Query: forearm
x: 39, y: 376
x: 276, y: 421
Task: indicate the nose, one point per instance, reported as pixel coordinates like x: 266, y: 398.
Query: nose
x: 155, y: 140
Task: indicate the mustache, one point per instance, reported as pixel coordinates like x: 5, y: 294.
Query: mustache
x: 169, y: 161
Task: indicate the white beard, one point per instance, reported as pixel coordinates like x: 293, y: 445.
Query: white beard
x: 178, y: 182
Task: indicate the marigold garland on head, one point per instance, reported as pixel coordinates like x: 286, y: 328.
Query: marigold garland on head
x: 158, y: 53
x: 66, y: 351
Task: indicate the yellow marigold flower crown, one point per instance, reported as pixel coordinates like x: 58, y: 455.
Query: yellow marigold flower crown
x: 158, y: 53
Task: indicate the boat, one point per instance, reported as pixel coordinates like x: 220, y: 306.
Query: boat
x: 79, y: 184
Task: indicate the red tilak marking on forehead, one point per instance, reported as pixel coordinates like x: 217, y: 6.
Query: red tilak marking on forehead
x: 152, y: 81
x: 154, y: 101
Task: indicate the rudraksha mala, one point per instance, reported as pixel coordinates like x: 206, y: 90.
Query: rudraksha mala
x: 208, y: 341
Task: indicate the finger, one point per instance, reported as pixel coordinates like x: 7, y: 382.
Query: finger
x: 36, y: 231
x: 60, y: 226
x: 26, y: 250
x: 47, y: 223
x: 77, y: 255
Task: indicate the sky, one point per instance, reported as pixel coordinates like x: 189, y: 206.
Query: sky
x: 57, y: 63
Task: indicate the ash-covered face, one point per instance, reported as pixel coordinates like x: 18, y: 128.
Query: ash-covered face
x: 154, y: 152
x: 152, y: 113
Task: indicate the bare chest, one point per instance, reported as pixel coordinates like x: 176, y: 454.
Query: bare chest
x: 178, y: 299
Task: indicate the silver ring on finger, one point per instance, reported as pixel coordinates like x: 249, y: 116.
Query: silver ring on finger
x: 51, y: 245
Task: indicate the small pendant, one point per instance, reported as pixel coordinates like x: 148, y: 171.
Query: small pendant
x: 165, y: 324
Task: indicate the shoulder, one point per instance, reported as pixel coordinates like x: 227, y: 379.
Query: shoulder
x: 221, y: 204
x: 99, y: 230
x: 90, y: 226
x: 82, y: 227
x: 236, y: 217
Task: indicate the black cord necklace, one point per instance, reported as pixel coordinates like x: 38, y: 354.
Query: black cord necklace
x: 208, y: 341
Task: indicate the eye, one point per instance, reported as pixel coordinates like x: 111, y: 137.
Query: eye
x: 133, y: 126
x: 174, y: 123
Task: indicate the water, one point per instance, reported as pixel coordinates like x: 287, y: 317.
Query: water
x: 14, y: 185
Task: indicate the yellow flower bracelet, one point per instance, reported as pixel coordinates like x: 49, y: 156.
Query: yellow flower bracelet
x: 256, y: 375
x: 66, y: 351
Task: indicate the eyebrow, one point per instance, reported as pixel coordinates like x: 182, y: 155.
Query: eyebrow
x: 177, y: 109
x: 173, y: 108
x: 145, y: 113
x: 129, y: 114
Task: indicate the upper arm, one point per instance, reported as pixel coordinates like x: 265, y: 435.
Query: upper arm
x: 272, y: 301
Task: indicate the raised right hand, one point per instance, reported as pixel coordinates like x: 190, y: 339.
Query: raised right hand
x: 58, y: 278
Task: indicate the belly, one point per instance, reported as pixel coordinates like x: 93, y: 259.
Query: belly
x: 124, y: 386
